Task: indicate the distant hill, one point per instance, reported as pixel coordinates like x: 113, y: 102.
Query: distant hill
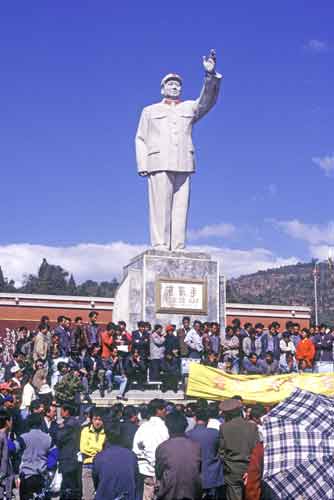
x: 286, y: 286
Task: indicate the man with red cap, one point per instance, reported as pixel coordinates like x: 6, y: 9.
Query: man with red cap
x: 165, y: 154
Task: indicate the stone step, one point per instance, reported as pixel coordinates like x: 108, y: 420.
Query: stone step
x: 137, y: 397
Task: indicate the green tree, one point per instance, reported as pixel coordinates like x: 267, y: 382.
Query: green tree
x: 71, y: 286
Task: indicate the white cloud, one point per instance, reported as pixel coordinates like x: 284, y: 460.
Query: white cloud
x: 236, y: 262
x: 311, y: 233
x: 326, y: 163
x: 85, y: 260
x: 321, y: 252
x: 103, y: 262
x: 316, y: 46
x: 214, y: 230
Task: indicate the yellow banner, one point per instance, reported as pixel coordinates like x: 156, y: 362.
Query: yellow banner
x: 214, y: 384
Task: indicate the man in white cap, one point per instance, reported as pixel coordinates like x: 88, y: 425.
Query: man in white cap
x: 165, y: 154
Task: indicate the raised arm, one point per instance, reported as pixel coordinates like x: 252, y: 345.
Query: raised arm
x: 210, y: 90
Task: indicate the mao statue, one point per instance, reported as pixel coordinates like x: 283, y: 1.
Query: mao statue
x: 165, y: 154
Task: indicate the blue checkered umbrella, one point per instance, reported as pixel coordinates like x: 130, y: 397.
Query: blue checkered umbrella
x: 298, y: 439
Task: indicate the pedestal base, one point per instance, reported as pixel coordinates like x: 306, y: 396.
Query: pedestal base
x: 162, y: 287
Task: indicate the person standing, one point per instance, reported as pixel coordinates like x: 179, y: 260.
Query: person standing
x: 79, y: 341
x: 178, y: 463
x: 251, y: 343
x: 237, y: 438
x: 68, y: 443
x: 91, y: 443
x: 194, y: 342
x: 286, y: 347
x: 41, y: 343
x: 35, y: 445
x: 305, y: 350
x: 6, y: 467
x: 230, y: 348
x: 181, y: 335
x: 93, y: 330
x: 212, y: 472
x: 323, y: 342
x: 64, y: 335
x: 141, y: 340
x: 157, y: 351
x: 147, y: 438
x: 270, y: 342
x: 215, y: 338
x: 115, y: 468
x: 129, y: 426
x: 49, y: 424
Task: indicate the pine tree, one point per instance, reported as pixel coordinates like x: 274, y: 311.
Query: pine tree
x: 71, y: 286
x: 2, y: 281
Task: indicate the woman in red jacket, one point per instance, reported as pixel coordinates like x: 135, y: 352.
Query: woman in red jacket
x: 305, y: 350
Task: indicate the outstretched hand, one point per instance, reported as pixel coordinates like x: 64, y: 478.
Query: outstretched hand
x: 209, y: 62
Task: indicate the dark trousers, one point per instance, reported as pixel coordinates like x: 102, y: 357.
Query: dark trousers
x: 169, y: 382
x: 30, y: 485
x: 155, y: 369
x: 70, y: 485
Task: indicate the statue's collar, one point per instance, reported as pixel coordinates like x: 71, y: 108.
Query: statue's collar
x: 170, y: 102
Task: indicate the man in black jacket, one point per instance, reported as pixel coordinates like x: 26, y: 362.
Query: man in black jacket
x: 68, y: 442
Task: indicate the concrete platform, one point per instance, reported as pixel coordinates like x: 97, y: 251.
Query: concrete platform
x: 136, y: 397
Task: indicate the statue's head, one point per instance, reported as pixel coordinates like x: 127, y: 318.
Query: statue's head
x: 171, y: 86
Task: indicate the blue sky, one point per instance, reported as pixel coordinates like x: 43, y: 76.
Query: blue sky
x: 74, y: 78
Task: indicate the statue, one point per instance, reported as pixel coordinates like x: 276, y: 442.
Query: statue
x: 165, y: 154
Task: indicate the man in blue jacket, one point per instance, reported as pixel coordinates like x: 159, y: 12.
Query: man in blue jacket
x: 212, y: 466
x: 270, y: 342
x: 115, y: 469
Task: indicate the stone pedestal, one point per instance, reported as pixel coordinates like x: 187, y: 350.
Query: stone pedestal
x: 162, y: 287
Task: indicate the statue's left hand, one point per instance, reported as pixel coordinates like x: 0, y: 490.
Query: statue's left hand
x: 209, y: 62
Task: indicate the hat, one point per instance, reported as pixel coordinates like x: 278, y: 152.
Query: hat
x: 171, y: 76
x: 5, y: 386
x: 230, y: 405
x: 169, y: 328
x: 15, y: 369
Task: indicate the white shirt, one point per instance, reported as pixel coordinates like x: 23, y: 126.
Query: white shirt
x: 194, y: 340
x: 147, y: 439
x: 214, y: 423
x: 28, y: 395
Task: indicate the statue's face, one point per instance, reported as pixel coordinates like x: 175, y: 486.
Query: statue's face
x: 172, y: 89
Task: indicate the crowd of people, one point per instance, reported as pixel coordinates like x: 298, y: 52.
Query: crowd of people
x: 155, y: 451
x: 47, y: 377
x: 90, y: 357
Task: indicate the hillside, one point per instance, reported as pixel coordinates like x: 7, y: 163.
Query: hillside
x: 287, y: 285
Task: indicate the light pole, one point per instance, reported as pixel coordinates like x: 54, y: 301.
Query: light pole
x: 315, y: 279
